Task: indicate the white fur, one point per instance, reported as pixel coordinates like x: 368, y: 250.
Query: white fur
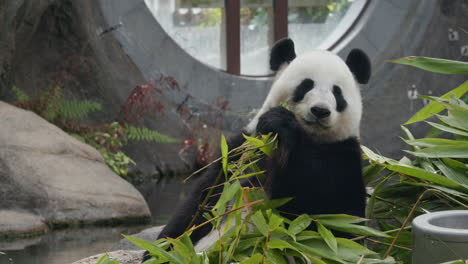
x: 326, y: 70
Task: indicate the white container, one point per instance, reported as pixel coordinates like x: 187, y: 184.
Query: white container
x: 440, y: 236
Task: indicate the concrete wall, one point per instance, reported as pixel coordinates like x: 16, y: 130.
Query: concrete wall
x: 388, y: 29
x: 40, y: 38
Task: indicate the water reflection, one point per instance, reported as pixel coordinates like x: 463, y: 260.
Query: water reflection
x: 163, y: 196
x: 66, y: 246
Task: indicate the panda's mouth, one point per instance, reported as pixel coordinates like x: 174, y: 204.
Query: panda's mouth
x: 316, y: 122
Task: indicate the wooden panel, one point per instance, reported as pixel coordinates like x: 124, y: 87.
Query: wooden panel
x: 232, y: 36
x: 280, y: 19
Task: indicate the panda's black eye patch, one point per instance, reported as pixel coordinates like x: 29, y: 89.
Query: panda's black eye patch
x: 340, y: 101
x: 305, y: 86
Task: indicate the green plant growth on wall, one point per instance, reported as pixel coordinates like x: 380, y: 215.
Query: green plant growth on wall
x: 107, y: 138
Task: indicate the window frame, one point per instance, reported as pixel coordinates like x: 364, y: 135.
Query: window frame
x: 280, y: 30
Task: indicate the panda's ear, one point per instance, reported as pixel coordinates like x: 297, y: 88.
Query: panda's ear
x: 282, y: 52
x: 359, y: 64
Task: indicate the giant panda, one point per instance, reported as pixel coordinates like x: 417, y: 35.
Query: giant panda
x: 318, y: 159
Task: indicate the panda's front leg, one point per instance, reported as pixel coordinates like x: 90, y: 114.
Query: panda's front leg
x: 282, y: 122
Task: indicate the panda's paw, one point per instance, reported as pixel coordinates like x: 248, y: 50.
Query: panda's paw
x: 146, y: 256
x: 277, y: 120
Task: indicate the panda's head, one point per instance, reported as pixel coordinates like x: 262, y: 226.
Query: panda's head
x: 320, y: 88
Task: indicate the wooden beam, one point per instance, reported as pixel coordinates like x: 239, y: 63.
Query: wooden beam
x: 280, y: 8
x: 232, y: 36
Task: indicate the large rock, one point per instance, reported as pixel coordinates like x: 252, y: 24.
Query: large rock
x: 125, y: 251
x: 56, y: 179
x: 122, y: 256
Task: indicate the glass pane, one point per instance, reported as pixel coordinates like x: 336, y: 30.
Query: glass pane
x: 256, y: 36
x: 195, y: 25
x: 318, y: 23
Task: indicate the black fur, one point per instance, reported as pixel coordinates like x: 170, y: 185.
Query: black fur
x: 282, y: 52
x: 304, y: 87
x: 189, y: 213
x: 359, y: 64
x: 341, y: 103
x: 323, y: 178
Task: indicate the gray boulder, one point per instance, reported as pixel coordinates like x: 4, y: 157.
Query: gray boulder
x: 56, y: 179
x: 122, y: 256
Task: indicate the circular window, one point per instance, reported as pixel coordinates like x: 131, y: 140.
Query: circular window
x: 204, y: 29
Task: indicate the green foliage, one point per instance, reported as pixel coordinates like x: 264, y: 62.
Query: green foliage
x: 251, y: 231
x: 435, y: 178
x: 52, y: 105
x: 74, y: 109
x: 117, y: 161
x: 20, y: 94
x: 436, y: 107
x: 107, y: 138
x: 435, y: 65
x: 106, y: 260
x: 145, y: 134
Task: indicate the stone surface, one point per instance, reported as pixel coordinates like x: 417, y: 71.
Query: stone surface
x: 50, y: 174
x: 17, y: 223
x: 123, y: 256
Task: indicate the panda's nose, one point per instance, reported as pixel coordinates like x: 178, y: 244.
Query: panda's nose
x: 320, y: 112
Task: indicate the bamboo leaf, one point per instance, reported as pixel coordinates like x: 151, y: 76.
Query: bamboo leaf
x: 274, y: 221
x: 228, y: 193
x: 317, y: 249
x: 106, y: 260
x: 460, y: 261
x: 455, y: 164
x: 453, y: 122
x: 374, y: 156
x: 449, y: 129
x: 339, y: 218
x: 434, y: 64
x: 424, y: 175
x: 260, y: 223
x: 435, y: 107
x: 299, y: 224
x: 275, y: 257
x: 357, y: 248
x: 259, y: 144
x: 280, y: 244
x: 433, y: 142
x: 328, y: 236
x: 442, y: 152
x: 452, y: 174
x: 459, y: 113
x: 224, y: 154
x: 352, y: 228
x: 153, y: 249
x: 307, y: 234
x: 255, y: 259
x: 370, y: 172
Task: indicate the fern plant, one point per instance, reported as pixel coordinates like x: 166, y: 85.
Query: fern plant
x: 74, y: 109
x: 108, y: 138
x: 20, y: 94
x: 146, y: 134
